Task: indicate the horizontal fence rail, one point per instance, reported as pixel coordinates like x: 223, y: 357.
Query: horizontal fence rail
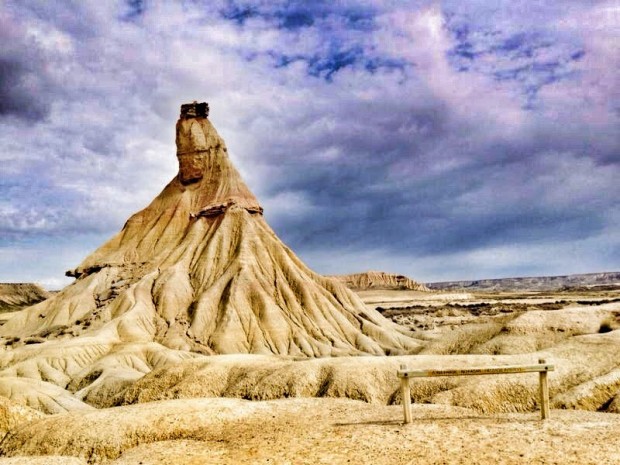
x: 542, y: 368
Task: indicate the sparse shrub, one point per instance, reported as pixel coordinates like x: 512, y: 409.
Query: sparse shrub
x: 597, y: 302
x: 607, y: 326
x: 549, y: 306
x: 52, y: 331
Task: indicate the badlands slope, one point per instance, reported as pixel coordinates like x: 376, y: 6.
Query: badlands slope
x: 206, y: 409
x: 15, y: 296
x: 196, y: 307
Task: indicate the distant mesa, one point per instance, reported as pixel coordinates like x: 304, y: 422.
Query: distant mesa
x: 380, y: 280
x: 200, y: 270
x: 599, y: 281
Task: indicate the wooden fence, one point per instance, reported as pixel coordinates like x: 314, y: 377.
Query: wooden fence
x: 542, y: 368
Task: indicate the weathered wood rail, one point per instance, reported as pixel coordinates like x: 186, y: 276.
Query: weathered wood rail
x: 542, y: 368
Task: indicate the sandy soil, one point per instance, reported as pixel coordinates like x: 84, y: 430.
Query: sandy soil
x: 346, y: 433
x: 338, y: 431
x: 172, y: 421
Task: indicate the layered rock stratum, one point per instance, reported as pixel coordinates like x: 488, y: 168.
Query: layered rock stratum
x: 608, y: 280
x: 379, y: 280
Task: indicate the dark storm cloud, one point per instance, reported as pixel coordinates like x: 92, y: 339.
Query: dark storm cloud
x: 24, y: 82
x: 530, y: 54
x: 362, y: 205
x: 18, y: 91
x: 432, y: 214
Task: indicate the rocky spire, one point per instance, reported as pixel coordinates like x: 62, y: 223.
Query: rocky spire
x: 200, y: 270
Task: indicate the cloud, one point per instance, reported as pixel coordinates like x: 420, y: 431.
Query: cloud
x: 406, y: 133
x: 24, y: 83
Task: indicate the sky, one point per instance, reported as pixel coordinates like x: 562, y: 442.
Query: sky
x: 443, y: 140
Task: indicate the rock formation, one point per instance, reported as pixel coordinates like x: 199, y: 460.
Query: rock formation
x: 587, y: 281
x: 200, y: 270
x: 379, y: 280
x: 14, y: 296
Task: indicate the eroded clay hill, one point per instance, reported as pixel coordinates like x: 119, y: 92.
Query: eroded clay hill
x: 379, y: 280
x: 200, y: 270
x: 15, y: 296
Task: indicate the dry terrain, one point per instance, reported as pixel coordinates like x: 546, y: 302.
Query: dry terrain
x: 15, y: 296
x: 275, y: 409
x: 195, y: 335
x: 315, y: 431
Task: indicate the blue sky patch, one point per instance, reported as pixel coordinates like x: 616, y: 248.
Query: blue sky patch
x: 133, y: 9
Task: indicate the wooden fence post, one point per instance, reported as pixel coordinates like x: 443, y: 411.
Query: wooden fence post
x: 544, y: 392
x: 405, y: 394
x: 542, y: 368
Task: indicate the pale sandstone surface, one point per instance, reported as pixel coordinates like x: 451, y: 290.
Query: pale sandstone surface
x: 389, y: 297
x: 154, y: 377
x: 311, y: 431
x: 80, y: 372
x: 12, y: 414
x: 373, y: 379
x: 40, y: 395
x: 46, y: 460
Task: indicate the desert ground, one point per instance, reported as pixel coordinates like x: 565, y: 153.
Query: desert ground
x: 271, y: 409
